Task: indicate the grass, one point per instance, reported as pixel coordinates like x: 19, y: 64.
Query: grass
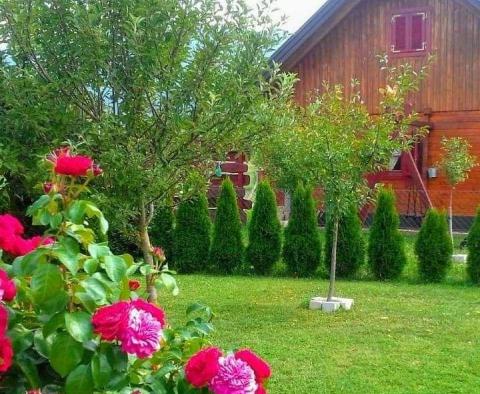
x: 399, y: 338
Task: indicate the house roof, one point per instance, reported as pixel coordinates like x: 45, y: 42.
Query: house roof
x: 318, y: 26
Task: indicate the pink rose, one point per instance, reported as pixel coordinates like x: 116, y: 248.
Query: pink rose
x: 260, y: 367
x: 203, y: 367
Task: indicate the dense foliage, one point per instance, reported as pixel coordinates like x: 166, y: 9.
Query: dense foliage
x: 473, y: 245
x: 157, y: 89
x: 192, y: 235
x: 226, y: 253
x: 162, y: 230
x: 386, y: 249
x: 264, y: 231
x: 350, y: 244
x: 302, y: 248
x: 434, y: 247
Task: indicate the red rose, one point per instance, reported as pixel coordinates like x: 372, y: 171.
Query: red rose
x: 203, y: 366
x: 3, y: 320
x: 11, y: 224
x: 6, y: 354
x: 8, y: 290
x: 261, y: 390
x: 259, y: 366
x: 25, y: 246
x: 133, y: 284
x: 73, y: 165
x: 34, y: 391
x: 107, y: 321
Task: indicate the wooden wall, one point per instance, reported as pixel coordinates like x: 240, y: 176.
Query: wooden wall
x: 349, y: 51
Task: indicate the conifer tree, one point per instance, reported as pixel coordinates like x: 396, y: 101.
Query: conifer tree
x: 264, y: 231
x: 161, y: 230
x: 473, y: 245
x: 303, y: 249
x: 192, y: 235
x: 226, y: 254
x: 434, y: 247
x: 386, y: 250
x: 350, y: 244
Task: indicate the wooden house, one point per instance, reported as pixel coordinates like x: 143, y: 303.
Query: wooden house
x: 340, y: 42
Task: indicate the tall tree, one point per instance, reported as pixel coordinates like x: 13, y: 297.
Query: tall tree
x: 457, y: 162
x: 163, y: 87
x: 336, y: 142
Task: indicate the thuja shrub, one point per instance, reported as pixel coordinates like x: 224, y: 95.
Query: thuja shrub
x: 434, y: 247
x: 386, y: 250
x: 473, y: 245
x: 73, y: 318
x: 162, y: 229
x: 302, y: 249
x: 226, y: 254
x: 264, y: 231
x: 350, y: 246
x: 192, y: 235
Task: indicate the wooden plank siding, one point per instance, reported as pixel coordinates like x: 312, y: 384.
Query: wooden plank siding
x: 349, y: 51
x: 450, y: 95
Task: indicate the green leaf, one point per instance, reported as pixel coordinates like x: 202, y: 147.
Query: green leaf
x: 95, y: 289
x: 87, y: 301
x: 99, y: 250
x: 90, y: 266
x: 79, y: 326
x: 40, y: 203
x: 115, y: 267
x: 65, y: 354
x: 26, y: 265
x: 21, y: 337
x: 101, y: 370
x: 46, y: 281
x: 57, y: 321
x: 198, y: 308
x: 41, y: 345
x: 67, y: 251
x: 80, y: 381
x: 168, y: 282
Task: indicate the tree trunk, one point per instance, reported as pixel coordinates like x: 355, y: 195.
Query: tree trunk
x: 333, y: 262
x: 146, y: 248
x: 450, y: 215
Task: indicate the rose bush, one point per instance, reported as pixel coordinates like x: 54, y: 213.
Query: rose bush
x: 73, y: 315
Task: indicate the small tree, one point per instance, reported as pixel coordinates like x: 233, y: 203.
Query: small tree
x: 457, y: 162
x: 473, y: 244
x: 350, y: 244
x: 227, y: 249
x: 264, y: 231
x: 303, y: 249
x: 337, y: 141
x: 192, y: 235
x: 386, y: 251
x: 433, y: 247
x: 162, y: 229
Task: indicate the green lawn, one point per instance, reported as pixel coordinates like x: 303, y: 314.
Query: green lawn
x: 399, y: 338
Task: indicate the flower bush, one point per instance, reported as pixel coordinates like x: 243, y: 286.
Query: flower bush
x: 73, y: 315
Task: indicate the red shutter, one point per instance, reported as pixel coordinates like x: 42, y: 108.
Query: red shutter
x: 418, y: 32
x: 399, y: 30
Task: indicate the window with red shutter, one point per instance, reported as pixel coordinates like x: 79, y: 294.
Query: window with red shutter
x: 409, y: 32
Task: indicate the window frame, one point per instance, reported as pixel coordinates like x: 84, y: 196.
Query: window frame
x: 409, y: 12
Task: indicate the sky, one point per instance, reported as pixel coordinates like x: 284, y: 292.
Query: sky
x: 297, y: 11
